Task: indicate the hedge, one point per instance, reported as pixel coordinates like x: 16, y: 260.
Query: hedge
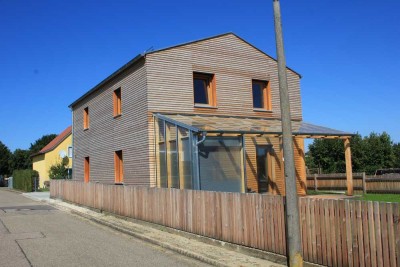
x: 25, y: 180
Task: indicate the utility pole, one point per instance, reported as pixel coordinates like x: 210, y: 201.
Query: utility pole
x: 293, y: 237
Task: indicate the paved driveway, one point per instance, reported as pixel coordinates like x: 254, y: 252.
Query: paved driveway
x: 35, y: 234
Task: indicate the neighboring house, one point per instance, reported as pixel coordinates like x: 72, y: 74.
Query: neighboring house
x: 201, y: 115
x: 53, y: 153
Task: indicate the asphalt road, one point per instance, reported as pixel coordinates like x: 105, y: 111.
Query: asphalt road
x: 36, y: 234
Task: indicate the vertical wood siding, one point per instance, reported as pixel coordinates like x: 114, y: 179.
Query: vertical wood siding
x: 277, y: 186
x: 107, y: 134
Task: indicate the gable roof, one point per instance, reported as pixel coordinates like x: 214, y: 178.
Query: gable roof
x: 56, y: 141
x: 218, y: 36
x: 140, y: 56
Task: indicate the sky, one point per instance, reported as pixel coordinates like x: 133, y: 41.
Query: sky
x: 52, y: 52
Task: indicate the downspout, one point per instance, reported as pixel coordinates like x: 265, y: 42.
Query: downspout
x: 204, y: 135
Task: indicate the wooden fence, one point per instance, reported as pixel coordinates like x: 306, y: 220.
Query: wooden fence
x: 361, y: 183
x: 334, y: 232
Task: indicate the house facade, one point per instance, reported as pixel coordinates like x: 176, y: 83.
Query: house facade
x: 201, y: 115
x: 53, y: 153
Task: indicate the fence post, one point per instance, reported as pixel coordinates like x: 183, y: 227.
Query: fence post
x: 315, y: 182
x: 364, y: 183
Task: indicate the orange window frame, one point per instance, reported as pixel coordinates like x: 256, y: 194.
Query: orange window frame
x: 86, y: 118
x: 117, y: 102
x: 211, y: 87
x: 119, y: 167
x: 266, y: 93
x: 86, y: 168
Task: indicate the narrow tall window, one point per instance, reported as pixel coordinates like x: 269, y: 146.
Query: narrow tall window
x: 117, y: 102
x: 86, y: 118
x: 261, y: 95
x: 204, y: 89
x: 86, y: 170
x: 119, y: 167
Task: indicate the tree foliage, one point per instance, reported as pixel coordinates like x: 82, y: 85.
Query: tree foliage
x: 396, y: 152
x: 41, y: 143
x: 21, y: 160
x: 59, y: 170
x: 370, y: 153
x: 5, y: 159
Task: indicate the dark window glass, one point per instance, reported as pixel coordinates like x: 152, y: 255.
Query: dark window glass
x: 200, y: 91
x: 220, y: 163
x: 258, y: 101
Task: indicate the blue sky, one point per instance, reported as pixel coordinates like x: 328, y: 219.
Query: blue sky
x: 52, y: 52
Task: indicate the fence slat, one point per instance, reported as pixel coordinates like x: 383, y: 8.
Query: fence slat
x: 391, y: 236
x: 360, y: 237
x: 367, y: 253
x: 385, y: 245
x: 378, y: 237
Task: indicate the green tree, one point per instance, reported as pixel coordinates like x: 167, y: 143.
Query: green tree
x: 378, y: 152
x: 370, y: 153
x: 41, y: 143
x: 59, y: 170
x: 5, y: 159
x: 396, y: 151
x: 21, y: 160
x: 327, y: 154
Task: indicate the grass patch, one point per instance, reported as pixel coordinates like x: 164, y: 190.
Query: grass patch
x: 44, y: 189
x: 380, y: 197
x: 319, y: 192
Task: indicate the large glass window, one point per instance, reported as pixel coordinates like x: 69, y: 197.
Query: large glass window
x: 185, y: 159
x: 162, y: 180
x: 220, y: 160
x: 172, y: 157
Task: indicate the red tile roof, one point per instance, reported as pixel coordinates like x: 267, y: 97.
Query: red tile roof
x: 56, y: 141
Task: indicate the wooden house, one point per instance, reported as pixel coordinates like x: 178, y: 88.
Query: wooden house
x: 200, y: 115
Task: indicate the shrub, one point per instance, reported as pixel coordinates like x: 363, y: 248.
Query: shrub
x: 59, y: 170
x: 25, y: 180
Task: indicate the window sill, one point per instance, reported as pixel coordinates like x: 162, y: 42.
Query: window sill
x: 117, y: 116
x: 119, y: 183
x: 86, y: 129
x: 204, y: 106
x: 262, y: 110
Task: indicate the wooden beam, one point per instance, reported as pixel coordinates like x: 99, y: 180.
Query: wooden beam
x: 349, y: 170
x: 224, y: 134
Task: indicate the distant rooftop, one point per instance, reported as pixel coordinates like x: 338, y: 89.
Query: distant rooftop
x: 56, y: 141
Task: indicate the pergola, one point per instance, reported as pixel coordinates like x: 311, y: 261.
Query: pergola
x: 211, y: 125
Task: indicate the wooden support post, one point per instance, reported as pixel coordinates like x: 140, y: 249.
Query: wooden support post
x: 349, y: 170
x: 364, y: 183
x: 315, y: 182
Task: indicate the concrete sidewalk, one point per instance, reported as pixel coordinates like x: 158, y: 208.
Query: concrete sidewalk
x: 207, y: 250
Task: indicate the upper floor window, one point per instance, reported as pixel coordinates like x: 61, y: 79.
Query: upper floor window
x: 261, y: 95
x: 204, y: 90
x: 86, y: 118
x: 70, y: 152
x: 117, y: 102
